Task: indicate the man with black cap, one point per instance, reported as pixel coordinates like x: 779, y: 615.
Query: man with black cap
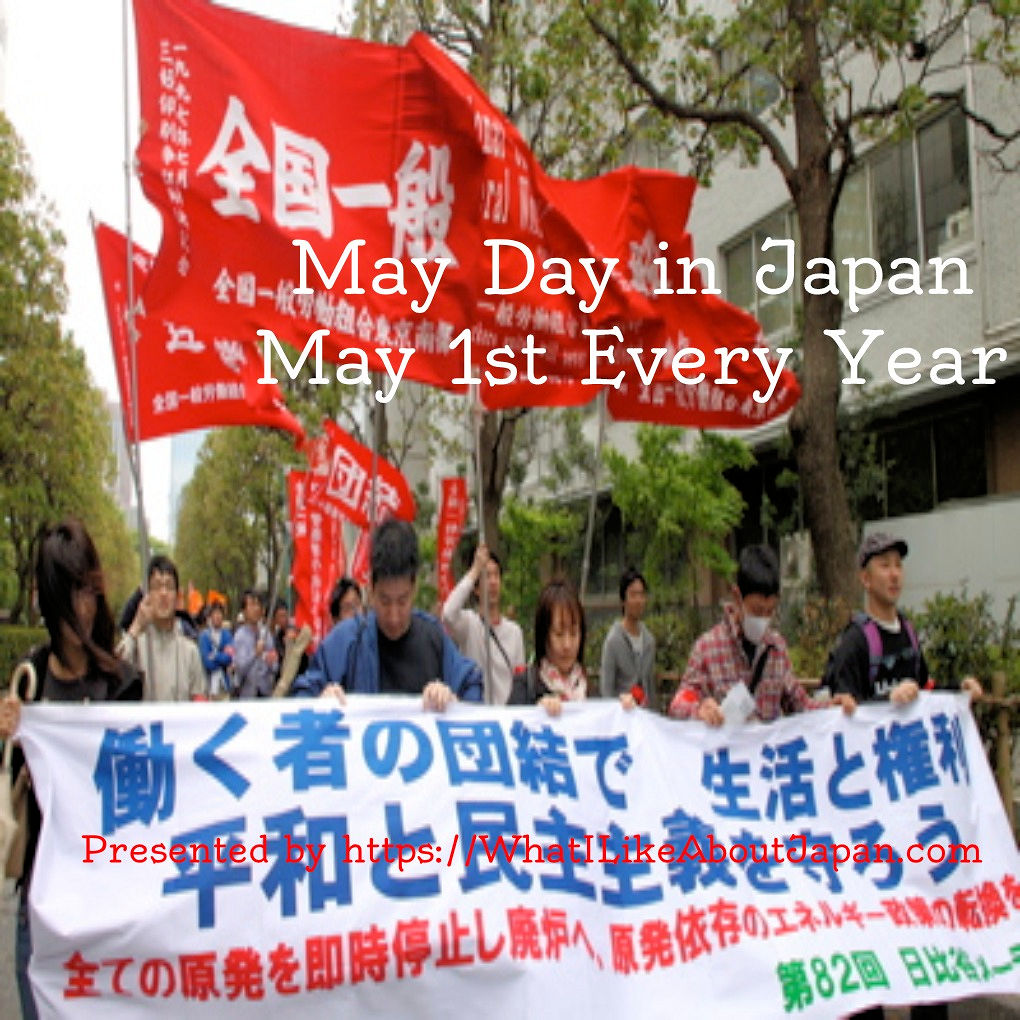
x: 878, y: 656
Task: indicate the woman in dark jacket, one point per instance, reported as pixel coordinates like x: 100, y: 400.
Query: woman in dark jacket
x: 557, y: 674
x: 78, y: 664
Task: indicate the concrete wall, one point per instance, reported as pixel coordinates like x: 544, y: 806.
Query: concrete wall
x: 976, y: 544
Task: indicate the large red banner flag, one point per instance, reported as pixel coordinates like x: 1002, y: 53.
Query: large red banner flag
x: 186, y: 379
x: 391, y: 162
x: 260, y: 135
x: 632, y: 217
x: 249, y: 153
x: 452, y: 514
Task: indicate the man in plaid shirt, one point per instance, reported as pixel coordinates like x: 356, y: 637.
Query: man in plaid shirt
x: 743, y: 648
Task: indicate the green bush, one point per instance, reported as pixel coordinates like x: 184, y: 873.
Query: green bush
x: 15, y: 642
x: 674, y: 633
x: 811, y: 627
x: 957, y: 634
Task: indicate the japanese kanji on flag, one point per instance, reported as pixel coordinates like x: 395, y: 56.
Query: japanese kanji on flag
x: 319, y: 558
x: 452, y: 515
x: 343, y: 481
x: 254, y: 858
x: 259, y: 134
x: 249, y: 153
x: 187, y: 379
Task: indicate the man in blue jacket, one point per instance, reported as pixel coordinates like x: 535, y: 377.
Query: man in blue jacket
x: 395, y: 648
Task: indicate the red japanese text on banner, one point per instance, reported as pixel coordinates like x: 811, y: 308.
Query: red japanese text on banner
x: 399, y: 861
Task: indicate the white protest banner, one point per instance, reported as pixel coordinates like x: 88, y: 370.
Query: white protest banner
x: 657, y: 861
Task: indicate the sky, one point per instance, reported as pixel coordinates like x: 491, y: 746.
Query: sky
x: 64, y: 93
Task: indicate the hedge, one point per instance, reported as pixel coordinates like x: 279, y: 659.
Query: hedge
x: 15, y: 643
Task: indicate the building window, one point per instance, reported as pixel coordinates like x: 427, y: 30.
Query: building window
x: 757, y: 88
x: 920, y: 204
x: 945, y: 183
x: 934, y: 460
x: 743, y: 260
x: 893, y: 206
x: 907, y: 200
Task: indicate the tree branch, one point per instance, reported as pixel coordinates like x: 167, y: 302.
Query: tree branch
x: 683, y: 112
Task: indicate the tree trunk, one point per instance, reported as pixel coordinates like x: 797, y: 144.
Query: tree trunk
x: 813, y: 428
x: 497, y: 440
x: 813, y: 422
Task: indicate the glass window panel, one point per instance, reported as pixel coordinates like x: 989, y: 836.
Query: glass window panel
x: 778, y: 228
x: 851, y: 226
x: 908, y: 470
x: 895, y: 208
x: 945, y: 183
x: 740, y: 276
x: 960, y: 468
x: 775, y: 313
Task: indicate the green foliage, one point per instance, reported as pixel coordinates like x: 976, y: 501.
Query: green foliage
x: 539, y: 63
x: 427, y: 595
x: 811, y: 627
x: 233, y: 512
x: 674, y: 630
x: 957, y: 634
x: 118, y: 551
x: 674, y: 633
x: 535, y: 539
x: 15, y: 643
x: 677, y: 501
x: 54, y: 430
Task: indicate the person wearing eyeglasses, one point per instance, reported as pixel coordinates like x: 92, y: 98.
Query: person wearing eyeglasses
x: 155, y: 644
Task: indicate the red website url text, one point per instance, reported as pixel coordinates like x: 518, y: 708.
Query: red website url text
x: 520, y: 847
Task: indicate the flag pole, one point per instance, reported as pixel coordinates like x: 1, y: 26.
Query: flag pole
x: 134, y: 445
x: 483, y: 587
x: 376, y: 412
x: 593, y: 498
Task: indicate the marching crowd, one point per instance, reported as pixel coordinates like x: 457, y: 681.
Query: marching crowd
x: 738, y: 671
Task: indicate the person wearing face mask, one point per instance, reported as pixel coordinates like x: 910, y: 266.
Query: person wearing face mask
x: 740, y: 668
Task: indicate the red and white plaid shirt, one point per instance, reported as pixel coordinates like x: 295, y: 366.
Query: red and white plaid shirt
x: 718, y: 661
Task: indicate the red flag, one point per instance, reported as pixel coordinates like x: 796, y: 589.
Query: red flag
x: 260, y: 134
x: 452, y: 514
x: 634, y: 216
x: 300, y: 564
x: 361, y: 561
x: 343, y: 480
x: 249, y: 152
x: 318, y: 559
x: 186, y: 380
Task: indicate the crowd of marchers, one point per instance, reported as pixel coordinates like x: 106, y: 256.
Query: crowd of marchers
x: 738, y: 671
